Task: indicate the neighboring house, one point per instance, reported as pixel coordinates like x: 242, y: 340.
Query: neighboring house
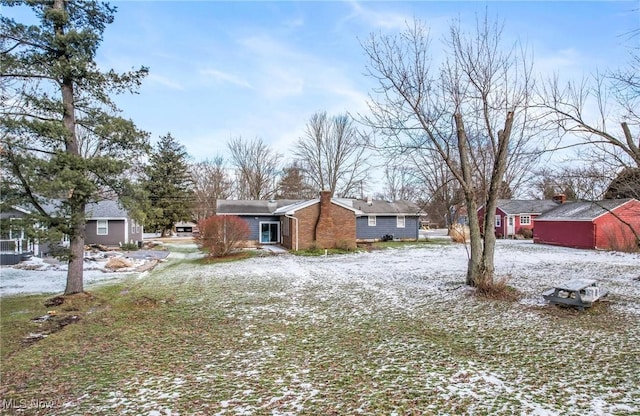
x: 186, y: 229
x: 513, y: 216
x: 325, y: 222
x: 109, y: 224
x: 591, y: 225
x: 14, y: 243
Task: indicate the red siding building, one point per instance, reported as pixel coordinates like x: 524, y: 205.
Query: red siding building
x: 602, y: 225
x: 513, y: 216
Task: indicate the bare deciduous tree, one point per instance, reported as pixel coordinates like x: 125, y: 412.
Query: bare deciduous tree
x: 332, y: 155
x: 575, y: 182
x: 257, y: 168
x: 211, y: 182
x: 601, y: 111
x: 478, y: 96
x: 400, y: 181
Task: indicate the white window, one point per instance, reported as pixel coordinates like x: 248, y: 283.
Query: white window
x: 525, y: 219
x: 498, y: 221
x: 400, y: 221
x: 372, y: 221
x: 103, y: 227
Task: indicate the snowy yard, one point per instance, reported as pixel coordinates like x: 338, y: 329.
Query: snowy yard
x: 393, y: 331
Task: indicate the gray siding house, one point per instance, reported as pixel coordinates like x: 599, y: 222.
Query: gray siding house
x: 264, y: 224
x: 109, y: 224
x: 378, y: 220
x: 375, y: 219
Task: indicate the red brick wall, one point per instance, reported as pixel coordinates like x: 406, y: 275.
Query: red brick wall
x: 339, y: 231
x: 325, y: 229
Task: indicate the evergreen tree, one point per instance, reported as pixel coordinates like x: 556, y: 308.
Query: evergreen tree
x: 63, y: 146
x: 293, y: 184
x: 169, y: 185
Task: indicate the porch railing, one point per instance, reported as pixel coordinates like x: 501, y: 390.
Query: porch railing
x: 14, y: 246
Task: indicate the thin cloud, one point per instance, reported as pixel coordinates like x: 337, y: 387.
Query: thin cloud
x: 377, y: 19
x: 561, y: 59
x: 164, y: 81
x: 294, y: 23
x: 226, y: 77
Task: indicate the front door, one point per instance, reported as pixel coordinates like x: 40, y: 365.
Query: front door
x: 511, y: 225
x: 269, y: 232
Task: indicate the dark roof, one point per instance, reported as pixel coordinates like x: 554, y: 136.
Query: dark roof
x: 240, y: 207
x: 582, y: 210
x: 105, y: 209
x: 253, y: 207
x: 101, y: 209
x: 519, y: 206
x: 381, y: 208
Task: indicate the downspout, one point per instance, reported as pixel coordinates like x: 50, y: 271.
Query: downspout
x: 296, y: 220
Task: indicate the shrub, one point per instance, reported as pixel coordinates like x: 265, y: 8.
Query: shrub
x: 526, y: 233
x: 129, y: 246
x: 498, y: 289
x: 459, y: 233
x: 221, y: 235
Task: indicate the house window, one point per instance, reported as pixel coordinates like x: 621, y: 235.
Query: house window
x: 372, y: 221
x: 400, y: 222
x: 498, y: 221
x: 285, y: 227
x: 103, y: 227
x: 525, y: 219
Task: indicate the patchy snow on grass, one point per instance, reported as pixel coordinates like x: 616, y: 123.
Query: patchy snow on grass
x: 49, y: 276
x: 393, y: 331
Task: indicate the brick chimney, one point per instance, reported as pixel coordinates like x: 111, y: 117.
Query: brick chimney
x: 325, y: 237
x: 559, y: 199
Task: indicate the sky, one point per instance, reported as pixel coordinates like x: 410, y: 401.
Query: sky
x: 220, y: 70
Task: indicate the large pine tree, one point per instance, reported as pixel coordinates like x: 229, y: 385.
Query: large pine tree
x: 63, y: 144
x: 169, y: 185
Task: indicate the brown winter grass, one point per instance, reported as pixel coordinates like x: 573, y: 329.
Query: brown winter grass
x: 498, y: 289
x: 180, y: 340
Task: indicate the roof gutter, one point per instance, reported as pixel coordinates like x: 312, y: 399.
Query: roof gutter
x: 296, y: 220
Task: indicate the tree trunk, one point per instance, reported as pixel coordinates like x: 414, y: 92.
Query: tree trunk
x: 75, y: 280
x: 77, y: 232
x: 497, y: 174
x: 475, y: 269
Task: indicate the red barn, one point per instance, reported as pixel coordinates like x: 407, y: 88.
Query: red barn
x: 593, y: 225
x: 513, y: 216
